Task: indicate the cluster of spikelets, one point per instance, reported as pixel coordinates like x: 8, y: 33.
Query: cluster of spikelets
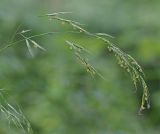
x: 124, y: 60
x: 14, y: 116
x: 78, y: 51
x: 136, y: 73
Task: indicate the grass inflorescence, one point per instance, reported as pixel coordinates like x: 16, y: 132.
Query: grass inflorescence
x: 125, y: 61
x: 14, y: 115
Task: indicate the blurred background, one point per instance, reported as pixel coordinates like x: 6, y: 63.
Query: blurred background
x: 55, y: 92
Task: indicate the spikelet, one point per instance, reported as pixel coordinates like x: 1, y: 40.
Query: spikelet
x: 37, y: 45
x: 29, y: 48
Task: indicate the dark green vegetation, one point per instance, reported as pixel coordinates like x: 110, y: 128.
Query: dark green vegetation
x: 55, y: 91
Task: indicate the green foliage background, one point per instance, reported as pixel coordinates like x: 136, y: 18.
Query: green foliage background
x: 55, y: 92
